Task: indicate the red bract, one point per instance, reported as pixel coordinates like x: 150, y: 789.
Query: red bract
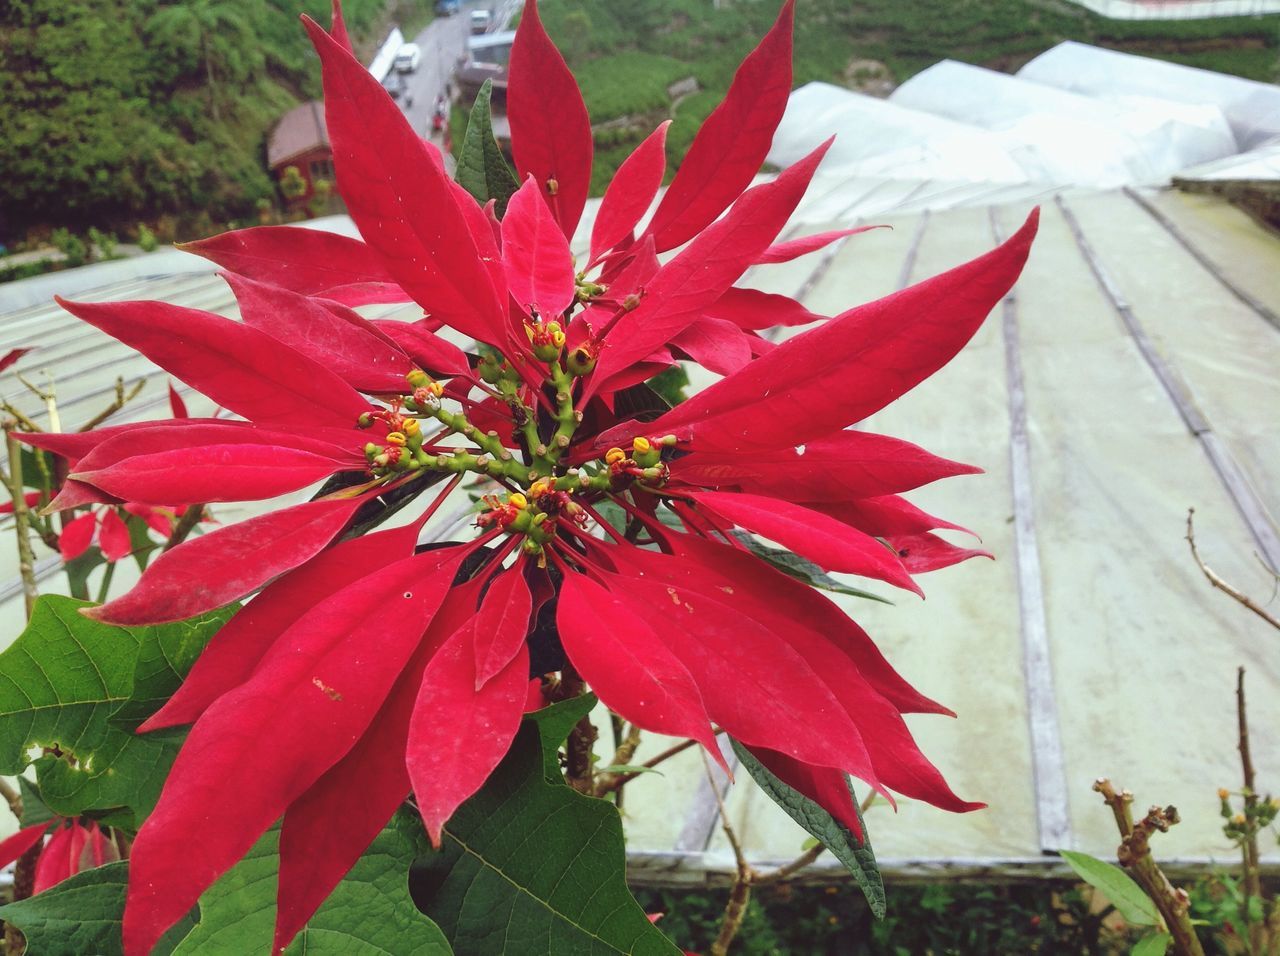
x: 375, y: 672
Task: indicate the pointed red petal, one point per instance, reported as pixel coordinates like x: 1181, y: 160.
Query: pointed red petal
x: 732, y: 144
x: 207, y: 572
x: 884, y: 348
x: 314, y: 854
x: 240, y: 368
x: 177, y: 407
x: 400, y: 198
x: 458, y: 734
x: 848, y: 464
x: 19, y: 843
x: 276, y: 736
x: 338, y: 28
x: 333, y: 335
x: 550, y: 130
x: 213, y: 473
x: 12, y: 356
x: 627, y: 664
x: 812, y: 534
x: 753, y: 309
x: 113, y: 536
x: 705, y: 269
x: 795, y: 248
x: 249, y: 637
x: 307, y: 261
x: 751, y: 681
x: 630, y: 193
x: 429, y: 351
x: 539, y: 266
x: 715, y: 344
x: 920, y: 553
x: 77, y: 536
x: 764, y: 592
x: 885, y: 516
x: 30, y: 499
x: 502, y: 623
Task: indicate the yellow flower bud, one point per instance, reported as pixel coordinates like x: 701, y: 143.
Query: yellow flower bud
x: 540, y: 487
x: 436, y: 388
x: 410, y: 426
x: 396, y: 438
x: 417, y: 378
x: 641, y: 445
x: 518, y: 500
x: 1223, y: 793
x: 615, y: 455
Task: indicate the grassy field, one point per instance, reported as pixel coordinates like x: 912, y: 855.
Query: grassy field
x: 626, y: 54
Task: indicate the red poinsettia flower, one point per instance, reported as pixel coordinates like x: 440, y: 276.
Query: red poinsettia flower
x: 72, y: 847
x: 368, y: 662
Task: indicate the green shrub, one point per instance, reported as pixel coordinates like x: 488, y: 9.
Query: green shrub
x: 71, y: 246
x: 147, y: 240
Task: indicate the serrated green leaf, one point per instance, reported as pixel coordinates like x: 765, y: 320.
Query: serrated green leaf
x: 1116, y: 885
x: 555, y: 722
x: 34, y: 809
x: 78, y: 916
x: 482, y: 169
x: 369, y: 913
x: 802, y: 569
x: 1157, y: 944
x: 531, y: 867
x: 857, y: 856
x: 63, y: 683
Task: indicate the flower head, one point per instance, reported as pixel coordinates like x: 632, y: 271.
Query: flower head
x: 365, y: 657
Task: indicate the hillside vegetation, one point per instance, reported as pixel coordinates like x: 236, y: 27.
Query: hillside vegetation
x: 119, y: 110
x: 627, y: 54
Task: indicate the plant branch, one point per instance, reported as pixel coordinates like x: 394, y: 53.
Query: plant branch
x: 185, y: 525
x: 1252, y: 881
x: 12, y: 797
x: 1222, y: 585
x: 1135, y: 856
x: 740, y: 894
x: 623, y: 779
x: 121, y: 400
x: 21, y: 519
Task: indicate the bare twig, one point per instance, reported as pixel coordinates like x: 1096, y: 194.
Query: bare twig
x: 1222, y: 585
x: 27, y: 424
x: 622, y: 756
x: 740, y: 894
x: 12, y: 797
x: 1252, y: 883
x: 1135, y: 856
x: 625, y: 778
x: 121, y: 400
x: 22, y: 521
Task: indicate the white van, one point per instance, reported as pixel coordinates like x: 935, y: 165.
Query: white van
x: 480, y: 20
x: 408, y: 57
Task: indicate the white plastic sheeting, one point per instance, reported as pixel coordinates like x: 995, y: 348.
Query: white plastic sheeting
x: 1260, y: 163
x: 1066, y: 137
x: 1252, y: 109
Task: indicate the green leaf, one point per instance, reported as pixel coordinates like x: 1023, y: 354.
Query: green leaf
x: 369, y: 913
x: 555, y: 722
x: 1157, y: 944
x: 802, y: 569
x: 857, y: 856
x: 482, y: 169
x: 1117, y: 886
x: 64, y: 682
x: 531, y: 867
x: 34, y: 809
x: 78, y: 916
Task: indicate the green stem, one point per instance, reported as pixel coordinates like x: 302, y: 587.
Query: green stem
x: 105, y: 586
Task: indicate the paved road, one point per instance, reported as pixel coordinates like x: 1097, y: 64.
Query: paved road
x: 443, y: 43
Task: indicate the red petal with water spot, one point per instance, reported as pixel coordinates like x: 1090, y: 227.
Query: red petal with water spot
x: 332, y: 334
x: 276, y: 735
x: 458, y: 734
x: 630, y: 193
x: 848, y: 464
x: 550, y: 130
x: 400, y: 198
x: 307, y: 261
x: 113, y: 536
x: 885, y: 516
x: 627, y: 664
x: 795, y: 248
x: 705, y: 269
x: 733, y: 142
x: 249, y: 637
x: 811, y: 534
x: 314, y: 854
x: 502, y: 623
x: 921, y: 553
x: 539, y: 266
x: 223, y: 566
x: 240, y: 368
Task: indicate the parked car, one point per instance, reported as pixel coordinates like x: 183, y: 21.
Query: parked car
x: 447, y: 8
x: 408, y: 57
x: 480, y: 20
x: 399, y: 89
